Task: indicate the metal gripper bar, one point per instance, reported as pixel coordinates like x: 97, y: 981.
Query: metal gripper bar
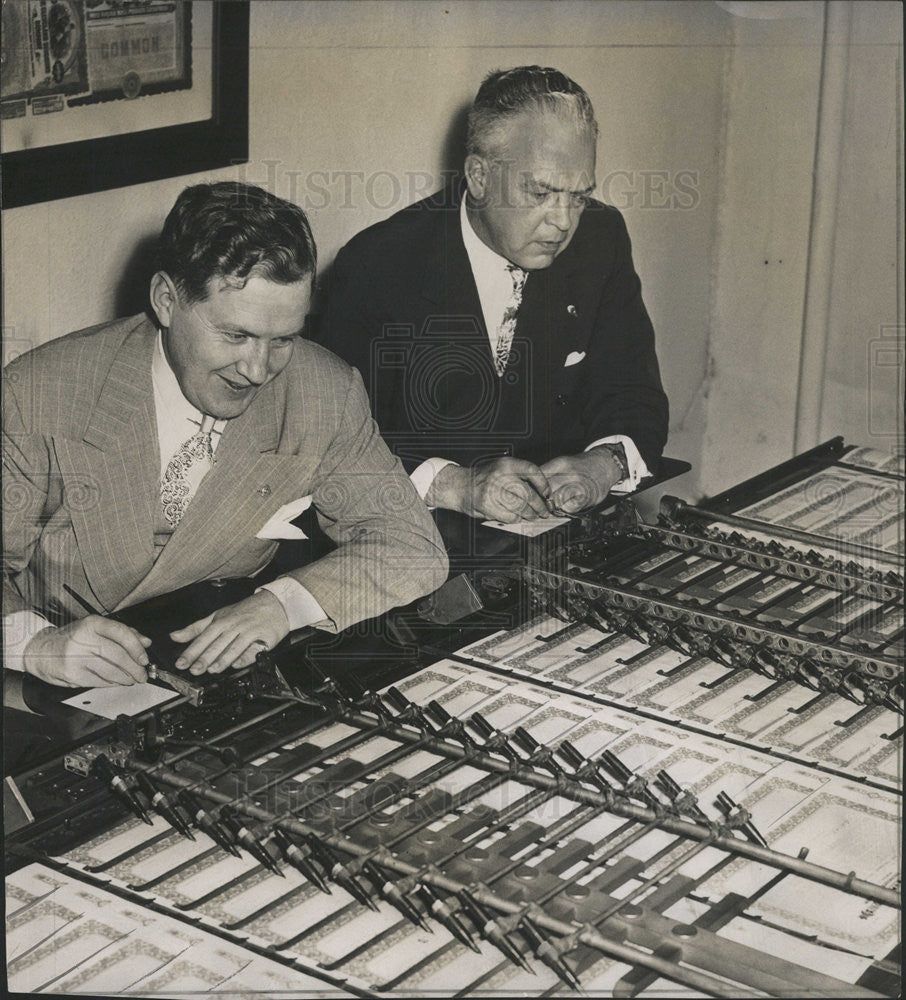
x: 771, y: 557
x: 674, y: 511
x: 521, y: 892
x: 703, y: 533
x: 739, y: 643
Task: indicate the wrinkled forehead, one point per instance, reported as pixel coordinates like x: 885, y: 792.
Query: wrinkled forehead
x: 257, y: 305
x: 219, y: 282
x: 260, y: 274
x: 549, y: 150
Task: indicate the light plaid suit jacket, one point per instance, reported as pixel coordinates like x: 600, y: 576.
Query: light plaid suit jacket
x: 81, y: 470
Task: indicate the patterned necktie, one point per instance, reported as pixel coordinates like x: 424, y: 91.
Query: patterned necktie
x: 508, y: 324
x: 186, y: 469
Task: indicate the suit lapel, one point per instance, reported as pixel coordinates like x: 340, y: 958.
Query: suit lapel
x: 109, y: 490
x: 244, y: 488
x: 447, y: 280
x: 552, y: 316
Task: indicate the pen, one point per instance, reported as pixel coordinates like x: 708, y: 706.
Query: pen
x: 151, y: 669
x: 85, y: 604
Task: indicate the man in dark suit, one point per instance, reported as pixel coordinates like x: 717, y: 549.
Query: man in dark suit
x: 501, y: 331
x: 142, y: 457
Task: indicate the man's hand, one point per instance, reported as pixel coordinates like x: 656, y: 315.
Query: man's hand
x: 582, y: 481
x: 505, y: 489
x: 92, y: 652
x: 233, y: 636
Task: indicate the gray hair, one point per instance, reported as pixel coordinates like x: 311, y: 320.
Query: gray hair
x: 504, y: 94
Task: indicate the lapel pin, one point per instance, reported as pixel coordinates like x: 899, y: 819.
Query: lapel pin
x: 264, y: 491
x: 572, y: 310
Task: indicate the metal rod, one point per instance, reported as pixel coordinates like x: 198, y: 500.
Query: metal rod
x: 782, y: 531
x: 851, y: 578
x: 628, y: 601
x: 686, y: 828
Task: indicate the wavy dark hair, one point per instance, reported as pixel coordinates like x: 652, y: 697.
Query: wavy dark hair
x: 231, y: 230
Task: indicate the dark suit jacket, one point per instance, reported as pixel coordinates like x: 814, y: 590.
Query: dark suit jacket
x: 81, y: 471
x: 403, y: 308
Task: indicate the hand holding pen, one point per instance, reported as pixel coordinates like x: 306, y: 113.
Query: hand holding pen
x: 94, y: 651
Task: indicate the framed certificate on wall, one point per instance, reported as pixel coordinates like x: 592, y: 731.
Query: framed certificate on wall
x: 98, y: 94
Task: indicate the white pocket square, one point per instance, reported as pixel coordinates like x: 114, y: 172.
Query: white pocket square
x: 279, y: 527
x: 573, y: 358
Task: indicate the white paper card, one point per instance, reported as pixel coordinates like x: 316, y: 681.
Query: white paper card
x: 120, y: 699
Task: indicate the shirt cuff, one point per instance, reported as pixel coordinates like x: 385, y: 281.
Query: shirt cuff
x: 637, y: 468
x: 298, y: 602
x: 19, y: 628
x: 422, y: 477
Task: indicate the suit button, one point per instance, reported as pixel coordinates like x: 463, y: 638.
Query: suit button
x: 561, y: 399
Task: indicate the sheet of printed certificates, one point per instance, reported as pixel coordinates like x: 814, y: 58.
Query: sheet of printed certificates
x: 802, y: 775
x: 860, y: 501
x: 66, y: 937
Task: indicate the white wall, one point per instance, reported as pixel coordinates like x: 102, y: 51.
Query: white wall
x: 707, y: 141
x: 807, y: 327
x: 771, y: 94
x: 863, y: 375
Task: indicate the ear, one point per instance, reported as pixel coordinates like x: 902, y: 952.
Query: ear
x: 477, y: 175
x: 163, y: 298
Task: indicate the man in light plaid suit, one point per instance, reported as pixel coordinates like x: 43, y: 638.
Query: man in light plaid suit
x: 102, y: 502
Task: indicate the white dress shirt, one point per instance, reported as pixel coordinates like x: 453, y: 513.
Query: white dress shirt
x: 177, y: 421
x: 177, y: 418
x: 495, y: 289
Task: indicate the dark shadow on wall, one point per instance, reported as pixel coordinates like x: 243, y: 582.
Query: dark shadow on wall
x: 314, y: 328
x: 451, y: 165
x: 131, y: 294
x: 454, y: 148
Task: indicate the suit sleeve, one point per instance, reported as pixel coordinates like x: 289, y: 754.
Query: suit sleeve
x: 389, y: 552
x: 622, y: 390
x: 26, y: 489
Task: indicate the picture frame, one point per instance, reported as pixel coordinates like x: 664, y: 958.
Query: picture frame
x: 47, y: 173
